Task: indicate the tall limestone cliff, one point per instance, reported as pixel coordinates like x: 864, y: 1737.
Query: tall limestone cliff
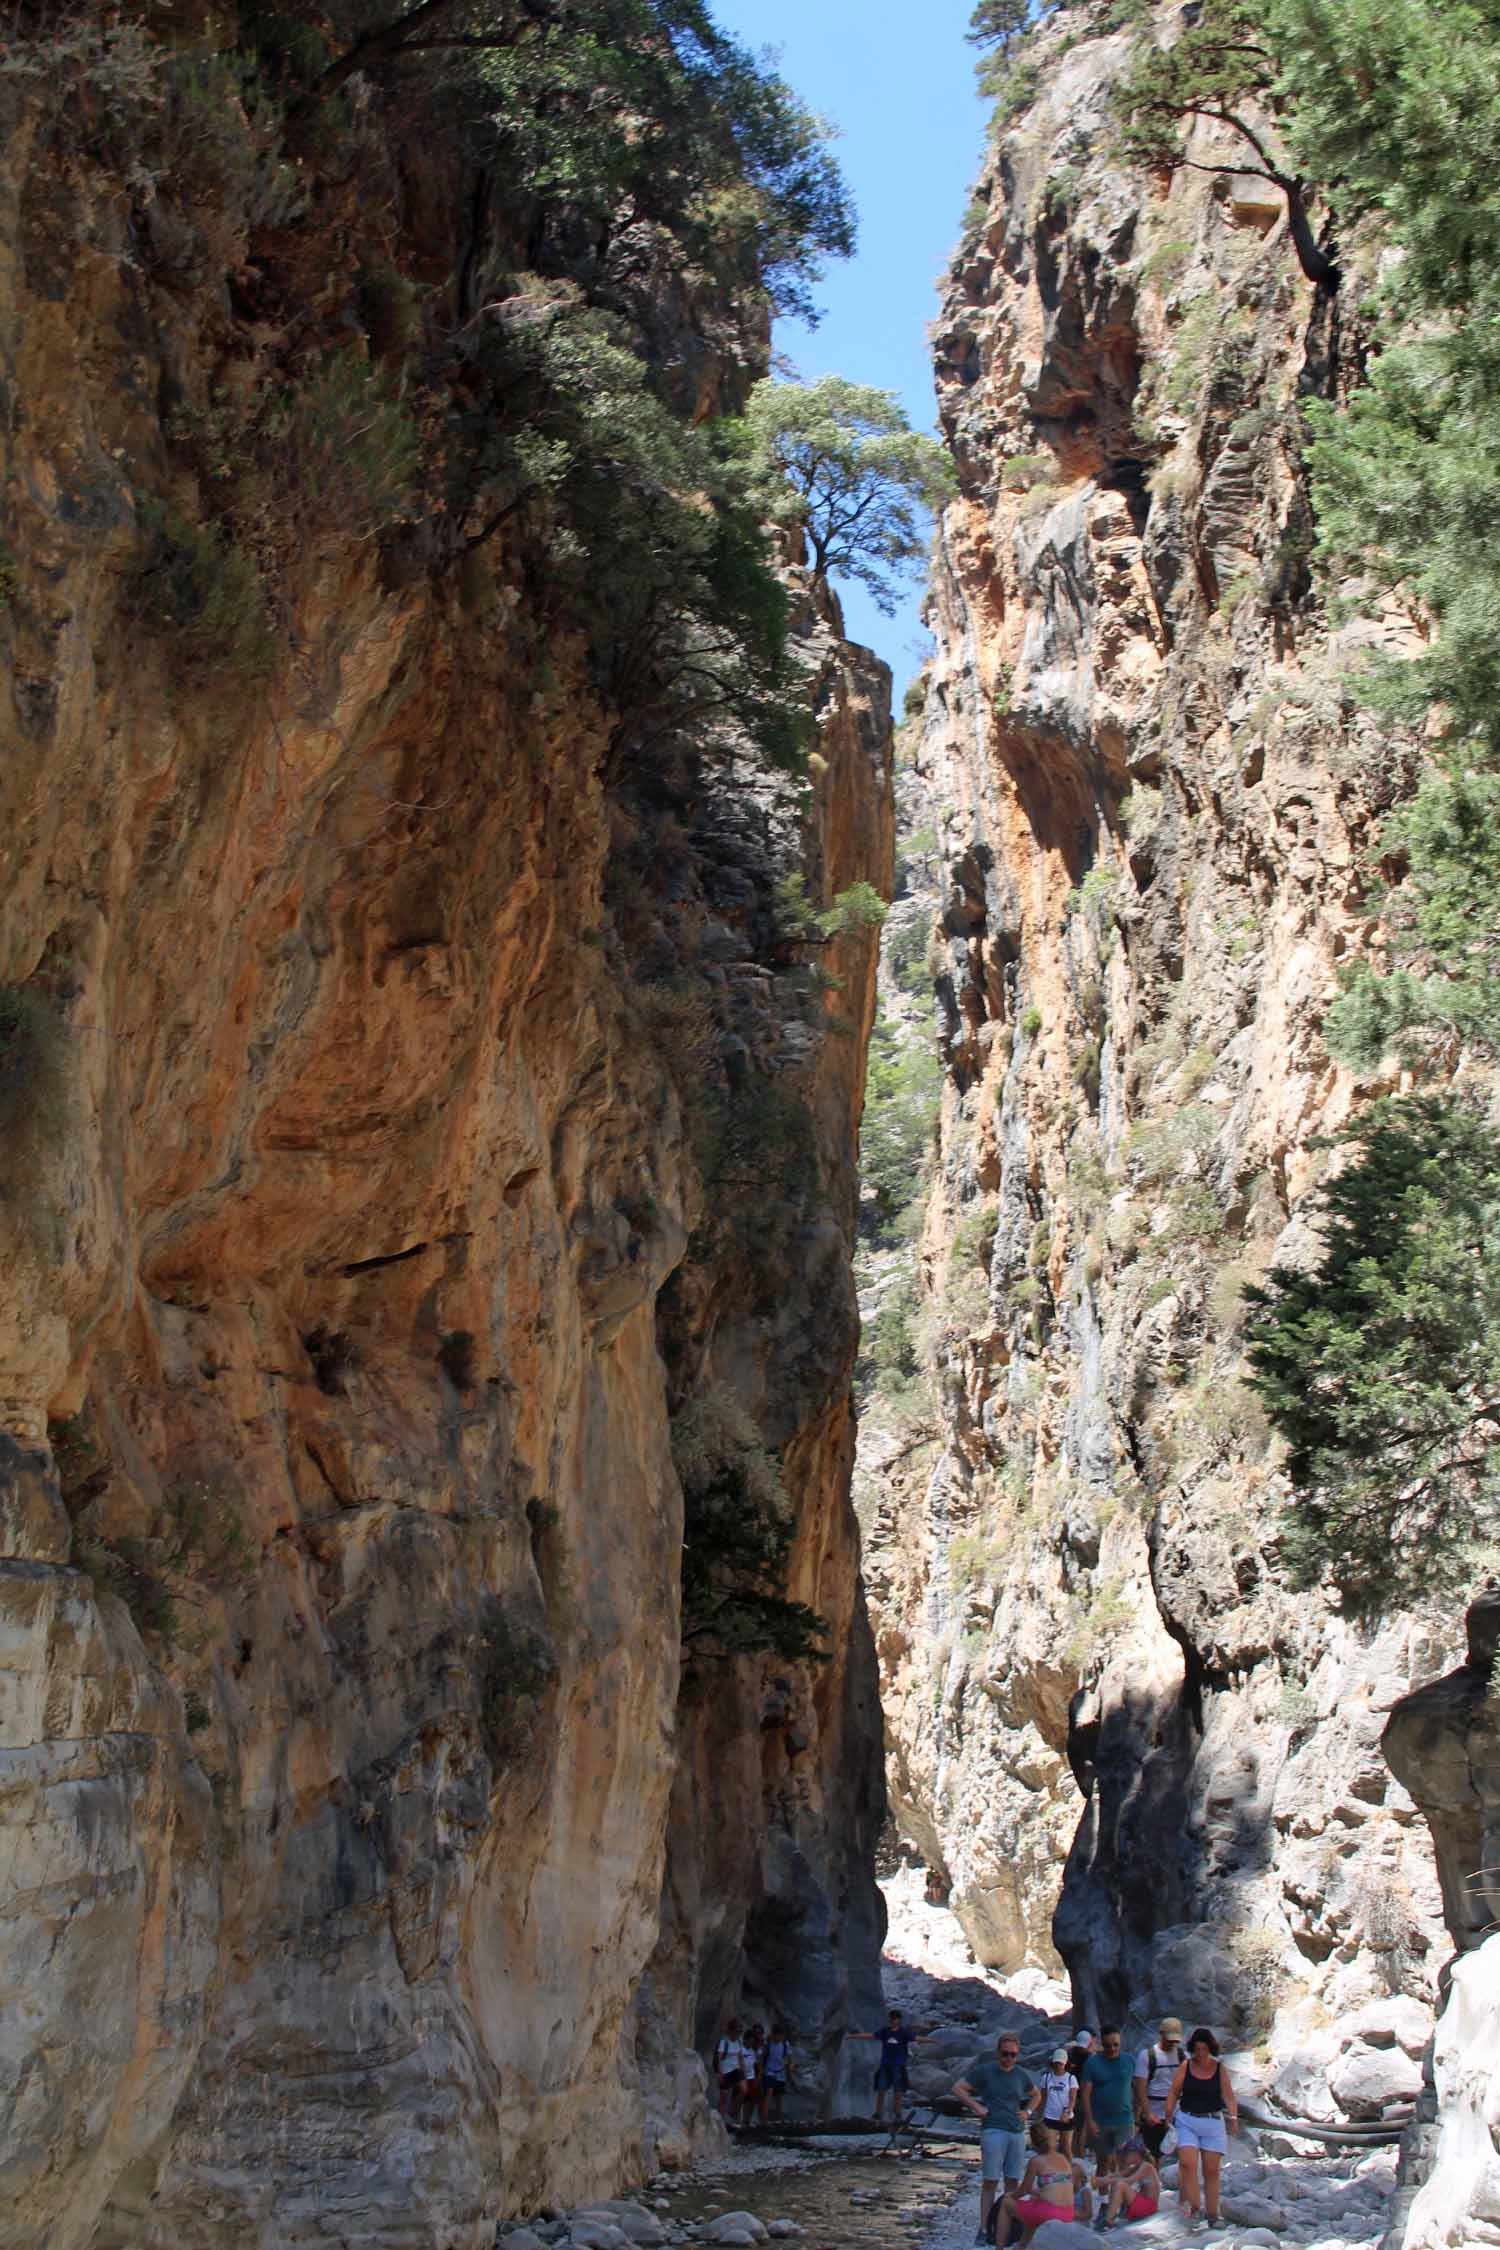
x: 424, y: 1150
x: 1130, y: 1749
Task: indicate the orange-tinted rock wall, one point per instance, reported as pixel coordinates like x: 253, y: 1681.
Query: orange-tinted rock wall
x: 345, y: 1167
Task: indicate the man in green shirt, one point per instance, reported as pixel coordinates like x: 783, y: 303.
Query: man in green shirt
x: 1002, y: 2095
x: 1108, y: 2090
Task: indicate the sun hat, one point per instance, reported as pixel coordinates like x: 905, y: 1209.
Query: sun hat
x: 1171, y: 2027
x: 1059, y: 2054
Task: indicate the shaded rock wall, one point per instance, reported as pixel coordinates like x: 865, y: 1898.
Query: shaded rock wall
x: 1157, y: 801
x: 356, y: 1254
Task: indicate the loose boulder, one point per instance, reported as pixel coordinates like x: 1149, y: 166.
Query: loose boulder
x: 737, y: 2228
x: 1365, y: 2079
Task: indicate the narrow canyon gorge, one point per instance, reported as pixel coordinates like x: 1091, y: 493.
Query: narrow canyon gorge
x: 622, y: 1280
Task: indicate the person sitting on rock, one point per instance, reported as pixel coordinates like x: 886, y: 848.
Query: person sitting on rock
x: 1049, y: 2188
x: 727, y: 2057
x: 1134, y: 2186
x: 1202, y: 2104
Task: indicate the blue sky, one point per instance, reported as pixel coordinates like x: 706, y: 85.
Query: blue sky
x: 898, y: 80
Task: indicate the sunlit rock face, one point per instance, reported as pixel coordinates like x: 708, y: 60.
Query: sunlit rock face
x: 371, y: 1865
x: 1112, y: 1727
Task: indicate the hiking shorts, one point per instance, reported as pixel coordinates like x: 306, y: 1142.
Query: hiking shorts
x: 1108, y: 2138
x: 1211, y: 2134
x: 1002, y: 2156
x: 888, y: 2075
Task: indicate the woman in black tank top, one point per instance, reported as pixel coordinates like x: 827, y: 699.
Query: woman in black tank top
x: 1203, y: 2105
x: 1203, y: 2097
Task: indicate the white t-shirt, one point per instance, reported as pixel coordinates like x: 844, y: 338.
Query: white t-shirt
x: 1158, y: 2068
x: 1059, y: 2091
x: 749, y: 2060
x: 729, y: 2057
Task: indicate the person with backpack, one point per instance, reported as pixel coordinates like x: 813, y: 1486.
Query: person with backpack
x: 1205, y: 2109
x: 1060, y: 2099
x: 728, y: 2056
x: 1155, y: 2068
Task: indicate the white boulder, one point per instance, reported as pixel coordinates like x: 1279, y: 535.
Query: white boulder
x: 1399, y: 2022
x: 1364, y: 2079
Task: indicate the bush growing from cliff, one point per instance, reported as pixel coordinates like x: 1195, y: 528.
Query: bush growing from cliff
x: 841, y: 464
x: 903, y: 1087
x: 612, y: 115
x: 1380, y: 1365
x: 736, y: 1538
x: 1225, y: 66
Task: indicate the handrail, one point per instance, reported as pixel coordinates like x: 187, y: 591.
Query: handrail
x: 1376, y: 2132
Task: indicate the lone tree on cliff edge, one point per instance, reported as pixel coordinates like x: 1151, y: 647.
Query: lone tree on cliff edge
x: 842, y: 464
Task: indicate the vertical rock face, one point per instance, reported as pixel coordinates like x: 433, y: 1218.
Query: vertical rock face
x: 361, y: 1867
x: 1158, y: 798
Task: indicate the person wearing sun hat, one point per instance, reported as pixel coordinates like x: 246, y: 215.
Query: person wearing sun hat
x: 1155, y: 2068
x: 1059, y: 2098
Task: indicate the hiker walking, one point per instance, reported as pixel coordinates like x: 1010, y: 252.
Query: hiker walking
x: 890, y: 2072
x: 1203, y: 2106
x: 778, y: 2073
x: 1155, y: 2068
x: 1060, y: 2099
x: 1001, y: 2094
x: 750, y: 2057
x: 1107, y: 2084
x: 728, y: 2056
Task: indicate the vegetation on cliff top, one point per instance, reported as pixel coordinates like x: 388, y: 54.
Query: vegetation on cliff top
x: 558, y: 333
x: 1380, y: 1363
x: 840, y: 463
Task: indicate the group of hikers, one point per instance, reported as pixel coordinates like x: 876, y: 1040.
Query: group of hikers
x: 1084, y: 2139
x: 752, y: 2070
x: 1097, y: 2101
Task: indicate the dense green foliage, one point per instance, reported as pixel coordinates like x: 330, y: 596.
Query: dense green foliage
x: 626, y: 114
x: 902, y: 1091
x: 737, y: 1538
x: 559, y: 333
x: 1442, y: 923
x: 1224, y: 66
x: 1381, y: 1365
x: 841, y: 463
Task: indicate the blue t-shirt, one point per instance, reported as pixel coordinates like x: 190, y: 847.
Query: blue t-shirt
x: 1001, y: 2091
x: 1111, y: 2077
x: 893, y: 2046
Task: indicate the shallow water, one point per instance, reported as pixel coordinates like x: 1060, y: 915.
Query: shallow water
x: 824, y: 2191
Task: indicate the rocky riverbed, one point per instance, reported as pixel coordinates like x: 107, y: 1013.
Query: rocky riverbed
x: 830, y: 2199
